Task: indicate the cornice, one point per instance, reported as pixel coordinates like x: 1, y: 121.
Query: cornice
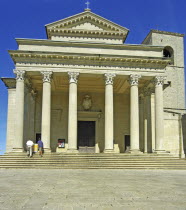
x: 167, y: 33
x: 47, y: 42
x: 162, y: 32
x: 43, y: 57
x: 10, y: 83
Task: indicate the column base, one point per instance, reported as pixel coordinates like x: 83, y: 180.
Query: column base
x: 108, y: 151
x: 72, y: 151
x: 47, y: 150
x: 19, y: 150
x: 182, y: 156
x: 135, y: 152
x: 160, y: 152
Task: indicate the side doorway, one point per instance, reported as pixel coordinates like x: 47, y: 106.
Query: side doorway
x: 127, y: 143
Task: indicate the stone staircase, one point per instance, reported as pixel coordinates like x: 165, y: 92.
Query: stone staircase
x: 92, y: 161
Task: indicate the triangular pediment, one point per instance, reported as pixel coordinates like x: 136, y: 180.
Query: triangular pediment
x: 85, y: 21
x: 87, y: 26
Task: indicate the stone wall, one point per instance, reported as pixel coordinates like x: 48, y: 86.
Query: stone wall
x: 174, y: 95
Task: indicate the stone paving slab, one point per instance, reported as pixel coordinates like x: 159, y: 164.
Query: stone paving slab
x: 92, y: 189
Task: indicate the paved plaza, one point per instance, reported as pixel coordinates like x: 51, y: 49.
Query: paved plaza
x: 92, y: 189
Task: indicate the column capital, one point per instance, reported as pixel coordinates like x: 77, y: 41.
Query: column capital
x: 73, y: 77
x: 141, y: 98
x: 20, y: 75
x: 159, y: 80
x: 134, y: 79
x: 47, y: 76
x: 109, y: 78
x: 147, y: 91
x: 29, y: 86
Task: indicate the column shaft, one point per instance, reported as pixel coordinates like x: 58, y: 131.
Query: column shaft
x: 109, y: 125
x: 19, y: 123
x: 109, y: 116
x: 145, y: 125
x: 72, y: 113
x: 134, y: 113
x: 134, y: 118
x: 159, y: 117
x: 46, y: 111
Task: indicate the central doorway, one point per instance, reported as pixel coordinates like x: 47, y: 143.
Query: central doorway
x: 86, y: 136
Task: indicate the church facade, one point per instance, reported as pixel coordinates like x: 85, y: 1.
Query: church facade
x: 84, y: 87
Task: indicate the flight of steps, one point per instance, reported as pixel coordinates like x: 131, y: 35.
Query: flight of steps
x: 92, y: 161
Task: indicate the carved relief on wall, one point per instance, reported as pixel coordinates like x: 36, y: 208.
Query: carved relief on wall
x: 87, y: 103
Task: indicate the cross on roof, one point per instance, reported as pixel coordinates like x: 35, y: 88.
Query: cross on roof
x: 87, y: 3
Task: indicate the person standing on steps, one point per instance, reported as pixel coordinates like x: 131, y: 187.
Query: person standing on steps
x: 40, y: 145
x: 29, y: 145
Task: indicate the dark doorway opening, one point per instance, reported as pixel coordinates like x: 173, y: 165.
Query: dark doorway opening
x: 38, y: 136
x: 127, y: 142
x: 86, y: 134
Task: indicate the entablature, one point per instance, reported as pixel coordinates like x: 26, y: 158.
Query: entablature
x: 88, y: 59
x: 10, y: 83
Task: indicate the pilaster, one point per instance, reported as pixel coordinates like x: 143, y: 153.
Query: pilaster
x: 147, y: 120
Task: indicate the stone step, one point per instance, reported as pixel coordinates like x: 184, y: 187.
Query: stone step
x: 92, y: 157
x: 94, y: 167
x: 93, y: 163
x: 101, y: 161
x: 89, y: 160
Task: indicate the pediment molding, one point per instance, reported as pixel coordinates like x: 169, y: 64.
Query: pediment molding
x: 95, y: 22
x: 85, y: 33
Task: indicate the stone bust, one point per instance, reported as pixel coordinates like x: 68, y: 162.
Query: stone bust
x: 87, y: 103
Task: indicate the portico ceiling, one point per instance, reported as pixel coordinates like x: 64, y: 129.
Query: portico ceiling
x: 86, y: 83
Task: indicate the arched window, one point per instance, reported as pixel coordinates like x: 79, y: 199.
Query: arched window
x: 168, y: 52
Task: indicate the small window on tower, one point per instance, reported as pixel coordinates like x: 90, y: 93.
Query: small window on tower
x: 166, y: 53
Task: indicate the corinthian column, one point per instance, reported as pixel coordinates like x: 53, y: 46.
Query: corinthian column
x: 46, y: 110
x: 19, y: 120
x: 159, y: 118
x: 72, y: 112
x: 134, y: 114
x: 109, y: 119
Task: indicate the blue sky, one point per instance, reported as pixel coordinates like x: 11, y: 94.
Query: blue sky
x: 26, y: 19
